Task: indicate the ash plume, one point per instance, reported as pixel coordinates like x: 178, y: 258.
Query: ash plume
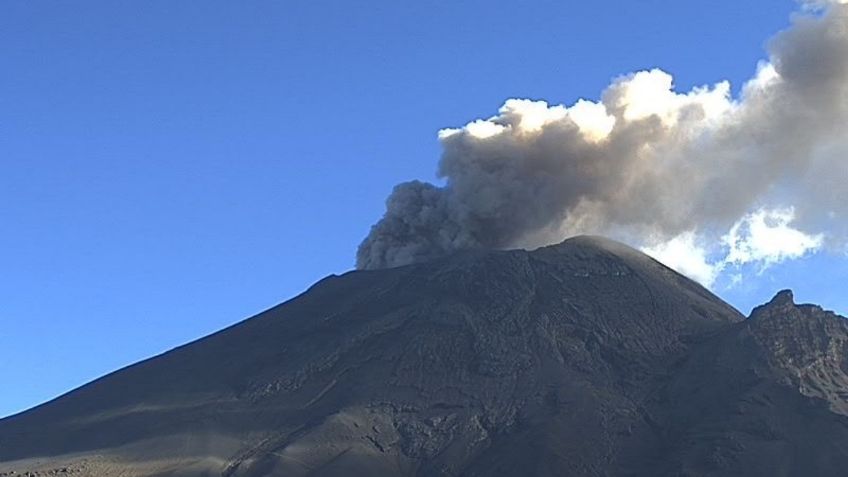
x: 645, y: 163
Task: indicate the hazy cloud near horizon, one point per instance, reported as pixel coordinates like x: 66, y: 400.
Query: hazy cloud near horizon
x: 764, y: 175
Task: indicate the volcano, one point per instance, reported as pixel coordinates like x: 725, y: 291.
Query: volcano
x: 586, y: 358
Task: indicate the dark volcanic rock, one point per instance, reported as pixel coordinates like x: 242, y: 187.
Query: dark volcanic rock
x: 584, y: 358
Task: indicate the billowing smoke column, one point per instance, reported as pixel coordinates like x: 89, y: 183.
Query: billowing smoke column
x: 645, y: 163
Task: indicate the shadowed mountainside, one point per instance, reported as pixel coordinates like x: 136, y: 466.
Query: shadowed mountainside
x: 585, y: 358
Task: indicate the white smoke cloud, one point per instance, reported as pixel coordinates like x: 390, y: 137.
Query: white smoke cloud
x: 762, y: 239
x: 685, y: 255
x: 766, y: 237
x: 654, y: 167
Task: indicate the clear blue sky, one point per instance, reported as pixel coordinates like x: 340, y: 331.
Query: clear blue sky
x: 169, y: 168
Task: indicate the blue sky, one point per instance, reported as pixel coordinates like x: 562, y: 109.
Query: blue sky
x: 169, y: 168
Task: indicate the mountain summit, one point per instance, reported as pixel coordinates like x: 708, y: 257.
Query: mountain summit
x: 586, y: 358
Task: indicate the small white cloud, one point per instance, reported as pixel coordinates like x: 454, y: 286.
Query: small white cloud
x: 767, y: 238
x: 762, y: 239
x: 735, y: 280
x: 683, y: 254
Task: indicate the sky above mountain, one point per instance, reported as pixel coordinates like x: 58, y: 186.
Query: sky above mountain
x: 169, y: 168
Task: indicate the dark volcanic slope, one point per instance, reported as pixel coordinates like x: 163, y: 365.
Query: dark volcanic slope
x: 585, y: 358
